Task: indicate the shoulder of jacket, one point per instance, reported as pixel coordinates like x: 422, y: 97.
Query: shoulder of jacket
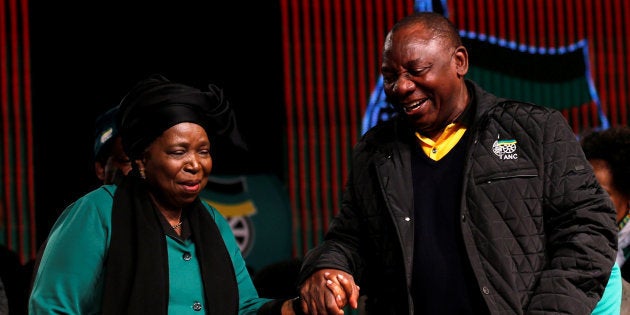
x: 487, y: 102
x: 102, y: 192
x: 519, y: 110
x: 522, y: 105
x: 386, y: 131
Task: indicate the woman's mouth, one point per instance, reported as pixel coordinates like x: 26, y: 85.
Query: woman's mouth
x: 191, y: 187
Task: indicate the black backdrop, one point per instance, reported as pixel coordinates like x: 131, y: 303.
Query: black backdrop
x: 86, y: 54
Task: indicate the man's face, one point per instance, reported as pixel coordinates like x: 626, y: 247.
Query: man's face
x: 422, y: 76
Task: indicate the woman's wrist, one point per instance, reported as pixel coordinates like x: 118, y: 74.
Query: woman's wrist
x: 296, y: 305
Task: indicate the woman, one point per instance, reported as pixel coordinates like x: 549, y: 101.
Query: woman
x: 149, y: 245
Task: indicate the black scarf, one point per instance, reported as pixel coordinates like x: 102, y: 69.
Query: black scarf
x: 137, y: 273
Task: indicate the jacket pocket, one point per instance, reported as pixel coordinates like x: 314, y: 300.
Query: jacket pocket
x: 502, y: 175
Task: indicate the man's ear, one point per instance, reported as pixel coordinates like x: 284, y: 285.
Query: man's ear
x: 460, y: 57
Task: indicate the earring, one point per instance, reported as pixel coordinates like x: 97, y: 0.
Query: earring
x: 141, y: 171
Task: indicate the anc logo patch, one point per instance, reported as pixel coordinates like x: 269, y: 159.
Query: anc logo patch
x: 505, y: 149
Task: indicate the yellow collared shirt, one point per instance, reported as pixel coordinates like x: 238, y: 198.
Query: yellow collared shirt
x: 436, y: 150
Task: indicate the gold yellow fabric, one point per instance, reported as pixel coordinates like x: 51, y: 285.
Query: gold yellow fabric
x: 436, y: 150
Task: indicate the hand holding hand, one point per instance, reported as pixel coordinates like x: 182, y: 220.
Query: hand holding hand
x: 327, y: 291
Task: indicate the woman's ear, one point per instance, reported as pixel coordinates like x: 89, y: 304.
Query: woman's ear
x: 139, y: 164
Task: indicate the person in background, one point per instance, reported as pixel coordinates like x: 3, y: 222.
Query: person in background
x: 13, y: 284
x: 149, y: 245
x: 4, y: 303
x: 110, y: 160
x: 464, y: 202
x: 110, y: 164
x: 608, y: 151
x: 278, y: 280
x: 14, y: 277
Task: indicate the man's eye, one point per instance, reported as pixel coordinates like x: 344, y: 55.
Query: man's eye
x: 389, y: 79
x: 416, y: 72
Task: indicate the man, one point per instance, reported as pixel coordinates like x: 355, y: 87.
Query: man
x: 110, y: 165
x: 464, y: 203
x: 110, y: 161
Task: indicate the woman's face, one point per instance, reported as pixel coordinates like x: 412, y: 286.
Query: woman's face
x: 177, y: 165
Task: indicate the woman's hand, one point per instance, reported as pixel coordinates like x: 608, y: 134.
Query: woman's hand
x: 328, y: 291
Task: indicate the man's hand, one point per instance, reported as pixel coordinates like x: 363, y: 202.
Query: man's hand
x: 328, y: 291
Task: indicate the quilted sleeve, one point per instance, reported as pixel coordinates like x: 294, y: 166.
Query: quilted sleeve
x: 341, y: 246
x: 580, y: 227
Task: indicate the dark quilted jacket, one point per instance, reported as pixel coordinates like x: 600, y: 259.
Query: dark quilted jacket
x: 539, y: 231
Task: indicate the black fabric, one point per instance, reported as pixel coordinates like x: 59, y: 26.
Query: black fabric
x: 137, y: 273
x: 14, y: 279
x: 156, y: 104
x: 274, y: 307
x: 271, y: 308
x: 625, y: 271
x: 440, y: 267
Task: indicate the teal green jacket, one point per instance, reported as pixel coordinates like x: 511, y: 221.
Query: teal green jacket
x: 610, y: 303
x: 70, y: 276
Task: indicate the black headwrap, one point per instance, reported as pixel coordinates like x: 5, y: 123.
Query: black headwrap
x: 156, y: 104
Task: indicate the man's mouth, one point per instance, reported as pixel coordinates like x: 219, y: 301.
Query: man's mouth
x: 411, y: 107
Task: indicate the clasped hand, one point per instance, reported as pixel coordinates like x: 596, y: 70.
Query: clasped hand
x: 328, y: 291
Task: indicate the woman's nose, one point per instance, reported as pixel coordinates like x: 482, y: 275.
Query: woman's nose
x: 192, y: 164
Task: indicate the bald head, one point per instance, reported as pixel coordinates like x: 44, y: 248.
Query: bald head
x: 440, y: 27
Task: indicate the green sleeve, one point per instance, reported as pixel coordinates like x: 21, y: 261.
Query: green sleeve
x: 249, y: 301
x: 610, y: 302
x: 69, y: 279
